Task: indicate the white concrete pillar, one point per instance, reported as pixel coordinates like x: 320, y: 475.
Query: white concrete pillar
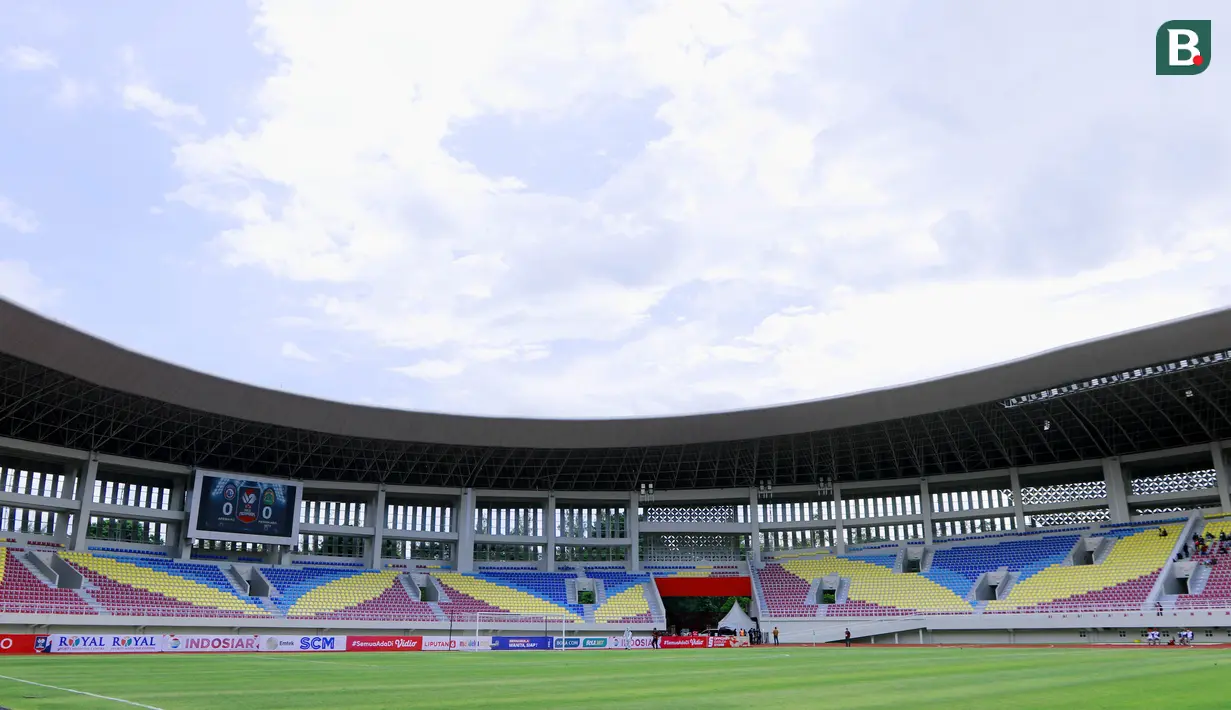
x: 1220, y: 468
x: 925, y: 509
x: 632, y: 526
x: 67, y: 492
x: 465, y: 531
x: 376, y: 519
x: 1117, y: 490
x: 549, y: 532
x: 84, y: 495
x: 754, y: 529
x: 1019, y: 508
x: 838, y: 516
x: 177, y: 533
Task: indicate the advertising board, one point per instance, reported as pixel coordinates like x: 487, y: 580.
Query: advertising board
x: 22, y: 644
x: 297, y: 644
x: 521, y: 643
x: 384, y: 643
x: 200, y: 643
x: 103, y: 643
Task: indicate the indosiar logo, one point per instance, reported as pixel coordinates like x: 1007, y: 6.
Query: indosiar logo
x: 1182, y: 47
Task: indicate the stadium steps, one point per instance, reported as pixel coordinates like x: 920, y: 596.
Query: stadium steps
x: 1196, y: 522
x: 238, y: 583
x: 412, y: 589
x: 35, y: 568
x: 1198, y: 579
x: 1103, y: 550
x: 94, y: 603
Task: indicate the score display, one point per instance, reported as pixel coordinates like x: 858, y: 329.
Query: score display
x: 245, y: 509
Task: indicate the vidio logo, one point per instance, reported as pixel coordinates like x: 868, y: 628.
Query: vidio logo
x: 1182, y: 47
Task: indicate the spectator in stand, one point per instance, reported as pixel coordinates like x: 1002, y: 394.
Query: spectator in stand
x: 1162, y: 532
x: 847, y: 638
x: 1158, y: 606
x: 775, y: 635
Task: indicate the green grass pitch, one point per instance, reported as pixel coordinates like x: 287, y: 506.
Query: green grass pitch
x: 777, y: 679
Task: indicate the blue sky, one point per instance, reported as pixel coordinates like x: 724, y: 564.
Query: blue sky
x: 606, y: 209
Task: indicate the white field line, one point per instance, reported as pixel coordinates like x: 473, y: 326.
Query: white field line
x: 80, y: 692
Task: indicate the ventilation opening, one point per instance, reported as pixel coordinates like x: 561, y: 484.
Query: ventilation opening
x: 585, y: 596
x: 829, y: 596
x: 912, y: 566
x: 429, y: 593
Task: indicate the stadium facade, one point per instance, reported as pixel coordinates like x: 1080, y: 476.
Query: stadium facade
x: 1028, y: 500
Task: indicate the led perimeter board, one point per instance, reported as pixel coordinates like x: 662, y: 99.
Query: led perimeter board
x: 228, y: 506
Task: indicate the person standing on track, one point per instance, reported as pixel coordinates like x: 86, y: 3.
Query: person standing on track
x: 775, y: 635
x: 847, y: 638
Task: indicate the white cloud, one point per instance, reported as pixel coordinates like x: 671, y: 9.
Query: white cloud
x: 24, y: 58
x: 16, y: 217
x: 18, y: 283
x: 163, y: 109
x: 806, y: 224
x: 294, y: 352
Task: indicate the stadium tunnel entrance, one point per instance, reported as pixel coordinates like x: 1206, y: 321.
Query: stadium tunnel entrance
x: 699, y: 603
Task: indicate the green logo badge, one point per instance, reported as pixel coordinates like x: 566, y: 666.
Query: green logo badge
x: 1182, y: 47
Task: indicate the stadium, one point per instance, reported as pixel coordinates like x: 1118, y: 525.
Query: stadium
x: 1054, y: 500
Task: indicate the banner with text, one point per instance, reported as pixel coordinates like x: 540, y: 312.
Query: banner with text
x: 106, y: 643
x: 457, y: 643
x: 303, y: 643
x: 591, y: 642
x: 22, y: 644
x: 194, y: 643
x: 521, y: 643
x: 384, y: 643
x: 701, y: 642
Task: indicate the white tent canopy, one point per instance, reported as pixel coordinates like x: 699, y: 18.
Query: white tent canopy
x: 736, y: 619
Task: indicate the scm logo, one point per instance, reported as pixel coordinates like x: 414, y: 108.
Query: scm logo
x: 316, y: 643
x: 1182, y: 47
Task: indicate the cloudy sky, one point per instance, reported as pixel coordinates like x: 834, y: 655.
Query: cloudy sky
x: 607, y: 208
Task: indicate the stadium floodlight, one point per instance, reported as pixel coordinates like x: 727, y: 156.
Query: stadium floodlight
x: 647, y: 492
x: 824, y: 484
x: 765, y: 490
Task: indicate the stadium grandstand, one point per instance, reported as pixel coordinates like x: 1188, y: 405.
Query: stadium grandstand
x: 1057, y: 498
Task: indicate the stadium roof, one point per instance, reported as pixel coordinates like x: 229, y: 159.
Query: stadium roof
x: 1159, y: 387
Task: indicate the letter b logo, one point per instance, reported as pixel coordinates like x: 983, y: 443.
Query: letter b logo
x: 1182, y: 47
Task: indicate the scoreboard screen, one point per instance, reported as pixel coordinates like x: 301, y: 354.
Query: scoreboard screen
x: 245, y: 509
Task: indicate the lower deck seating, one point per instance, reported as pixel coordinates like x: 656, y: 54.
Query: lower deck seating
x: 543, y: 594
x: 959, y: 567
x: 1217, y: 590
x: 23, y: 593
x: 874, y: 588
x: 627, y: 598
x: 1123, y: 580
x: 367, y: 596
x: 134, y: 587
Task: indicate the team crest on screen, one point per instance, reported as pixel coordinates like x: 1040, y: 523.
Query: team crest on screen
x: 268, y: 498
x: 247, y: 505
